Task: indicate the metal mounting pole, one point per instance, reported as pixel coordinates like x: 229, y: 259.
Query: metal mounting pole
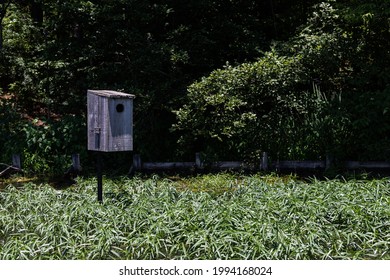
x: 99, y: 177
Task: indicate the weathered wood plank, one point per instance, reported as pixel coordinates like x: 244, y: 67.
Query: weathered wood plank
x: 286, y: 164
x: 228, y: 165
x: 137, y: 162
x: 264, y: 165
x: 305, y: 164
x: 110, y: 121
x: 264, y: 162
x: 16, y: 161
x: 198, y: 160
x: 367, y: 165
x: 76, y: 162
x: 167, y: 165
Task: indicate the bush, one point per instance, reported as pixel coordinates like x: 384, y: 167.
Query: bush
x: 319, y: 93
x: 240, y: 110
x: 46, y: 145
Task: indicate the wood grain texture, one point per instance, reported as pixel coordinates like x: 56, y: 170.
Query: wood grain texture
x: 110, y: 121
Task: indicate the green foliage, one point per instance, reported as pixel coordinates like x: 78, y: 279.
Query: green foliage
x: 257, y: 218
x: 231, y: 106
x: 367, y: 85
x: 274, y: 52
x: 45, y: 145
x: 49, y: 144
x: 55, y: 50
x: 309, y: 97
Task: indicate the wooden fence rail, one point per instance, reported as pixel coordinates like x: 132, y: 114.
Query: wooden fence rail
x: 264, y: 164
x: 197, y: 164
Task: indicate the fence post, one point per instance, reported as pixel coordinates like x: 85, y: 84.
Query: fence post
x: 16, y: 161
x: 328, y: 161
x: 76, y: 162
x: 137, y: 162
x: 264, y: 162
x: 198, y: 160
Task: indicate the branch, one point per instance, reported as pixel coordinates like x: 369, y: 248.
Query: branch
x: 8, y: 169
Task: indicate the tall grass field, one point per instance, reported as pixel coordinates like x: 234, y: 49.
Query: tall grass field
x: 220, y: 216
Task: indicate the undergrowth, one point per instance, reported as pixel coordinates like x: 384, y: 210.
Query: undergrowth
x: 206, y: 217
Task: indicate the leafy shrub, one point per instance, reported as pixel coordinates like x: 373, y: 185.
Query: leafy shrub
x: 238, y: 109
x: 302, y: 100
x: 48, y: 147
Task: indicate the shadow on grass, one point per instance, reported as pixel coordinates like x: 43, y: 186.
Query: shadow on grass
x: 18, y: 181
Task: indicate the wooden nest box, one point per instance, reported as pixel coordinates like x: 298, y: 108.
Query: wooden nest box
x: 110, y: 121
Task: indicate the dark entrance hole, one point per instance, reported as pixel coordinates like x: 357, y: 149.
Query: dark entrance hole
x: 120, y: 108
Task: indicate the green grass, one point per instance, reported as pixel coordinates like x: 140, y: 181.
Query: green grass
x: 206, y: 217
